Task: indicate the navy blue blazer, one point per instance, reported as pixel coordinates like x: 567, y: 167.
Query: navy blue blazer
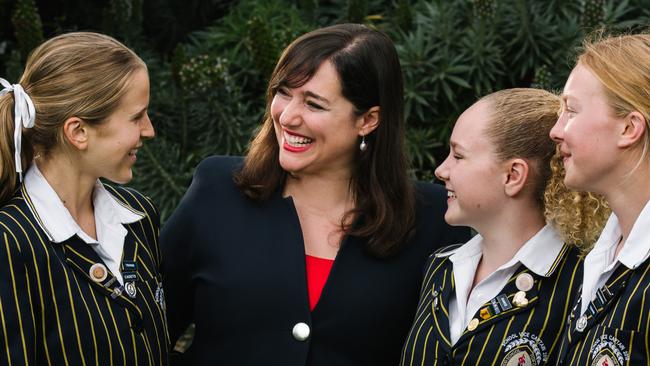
x: 506, y: 334
x: 236, y: 268
x: 53, y: 313
x: 615, y: 329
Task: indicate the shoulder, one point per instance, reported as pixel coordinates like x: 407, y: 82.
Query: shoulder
x: 133, y: 200
x: 447, y: 251
x: 18, y: 226
x: 218, y: 166
x: 568, y: 263
x: 430, y: 193
x: 214, y: 176
x: 430, y: 198
x: 440, y: 259
x: 16, y: 212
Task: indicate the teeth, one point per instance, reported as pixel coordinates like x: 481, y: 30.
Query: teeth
x: 451, y: 194
x: 297, y: 140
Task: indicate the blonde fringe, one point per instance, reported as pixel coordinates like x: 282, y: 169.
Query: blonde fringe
x: 579, y: 217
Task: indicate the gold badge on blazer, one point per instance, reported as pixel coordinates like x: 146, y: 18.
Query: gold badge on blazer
x: 524, y: 348
x: 519, y: 357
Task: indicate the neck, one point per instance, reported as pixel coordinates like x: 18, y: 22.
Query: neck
x: 506, y: 233
x: 628, y: 198
x: 324, y: 194
x: 73, y: 187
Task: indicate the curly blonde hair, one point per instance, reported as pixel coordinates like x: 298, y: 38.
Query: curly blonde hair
x: 579, y: 217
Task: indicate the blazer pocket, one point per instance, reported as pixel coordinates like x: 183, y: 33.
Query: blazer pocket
x: 616, y: 347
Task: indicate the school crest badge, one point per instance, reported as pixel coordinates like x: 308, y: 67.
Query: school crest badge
x: 523, y: 349
x: 608, y: 350
x: 520, y: 356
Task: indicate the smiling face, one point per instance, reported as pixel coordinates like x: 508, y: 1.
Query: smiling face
x: 586, y: 132
x: 472, y: 172
x: 113, y: 145
x: 315, y: 126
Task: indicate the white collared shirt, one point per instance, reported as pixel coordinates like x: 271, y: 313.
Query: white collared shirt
x: 601, y: 262
x: 538, y: 255
x: 60, y: 226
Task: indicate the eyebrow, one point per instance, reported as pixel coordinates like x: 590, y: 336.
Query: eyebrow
x: 316, y: 96
x: 455, y: 145
x: 140, y: 111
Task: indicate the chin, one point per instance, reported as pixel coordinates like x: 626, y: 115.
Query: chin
x: 572, y: 183
x: 122, y: 178
x: 291, y: 167
x: 454, y: 220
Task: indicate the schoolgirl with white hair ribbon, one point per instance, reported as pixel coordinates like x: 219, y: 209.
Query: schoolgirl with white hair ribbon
x: 79, y: 259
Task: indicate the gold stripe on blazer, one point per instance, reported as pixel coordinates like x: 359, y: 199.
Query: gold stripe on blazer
x: 51, y: 310
x: 503, y: 333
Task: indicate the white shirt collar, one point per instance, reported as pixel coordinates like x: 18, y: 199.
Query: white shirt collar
x: 56, y: 219
x: 538, y: 254
x: 636, y: 249
x: 601, y: 262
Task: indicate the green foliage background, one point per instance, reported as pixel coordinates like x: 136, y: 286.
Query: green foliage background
x: 209, y: 61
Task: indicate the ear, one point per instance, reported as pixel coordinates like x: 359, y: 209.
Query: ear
x: 516, y: 176
x: 369, y: 121
x: 634, y: 128
x: 75, y: 131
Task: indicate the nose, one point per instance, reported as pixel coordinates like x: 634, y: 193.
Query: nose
x: 289, y: 114
x: 442, y: 171
x: 557, y: 132
x: 146, y: 129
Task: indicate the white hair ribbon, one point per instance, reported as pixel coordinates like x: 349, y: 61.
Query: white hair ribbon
x: 24, y: 116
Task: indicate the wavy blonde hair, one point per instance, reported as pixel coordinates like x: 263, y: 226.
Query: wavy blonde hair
x: 521, y: 119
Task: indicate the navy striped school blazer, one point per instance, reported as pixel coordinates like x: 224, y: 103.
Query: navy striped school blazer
x: 509, y: 335
x: 615, y: 330
x: 53, y: 313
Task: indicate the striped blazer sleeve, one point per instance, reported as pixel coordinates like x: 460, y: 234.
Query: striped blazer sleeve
x: 17, y: 337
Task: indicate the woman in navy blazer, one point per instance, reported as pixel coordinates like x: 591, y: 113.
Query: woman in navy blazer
x: 309, y: 250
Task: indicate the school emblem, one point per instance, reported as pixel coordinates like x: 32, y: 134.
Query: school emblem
x: 524, y: 349
x: 159, y: 297
x: 608, y: 350
x: 521, y: 356
x: 605, y: 360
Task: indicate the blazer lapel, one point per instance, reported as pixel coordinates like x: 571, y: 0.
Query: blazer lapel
x: 81, y: 257
x: 503, y: 306
x: 578, y: 325
x: 440, y: 293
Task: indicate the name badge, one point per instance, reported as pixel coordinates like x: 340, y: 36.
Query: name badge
x: 129, y: 276
x: 129, y: 266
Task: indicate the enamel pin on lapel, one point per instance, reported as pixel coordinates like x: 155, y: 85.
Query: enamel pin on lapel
x: 98, y: 272
x: 436, y: 301
x: 130, y: 289
x: 520, y: 299
x: 581, y: 324
x: 472, y: 324
x: 524, y: 282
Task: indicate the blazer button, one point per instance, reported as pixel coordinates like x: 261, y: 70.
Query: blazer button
x: 301, y: 331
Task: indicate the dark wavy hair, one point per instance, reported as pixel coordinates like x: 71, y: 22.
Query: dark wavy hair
x: 370, y: 74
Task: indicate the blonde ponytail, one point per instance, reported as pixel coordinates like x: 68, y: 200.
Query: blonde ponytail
x: 8, y: 175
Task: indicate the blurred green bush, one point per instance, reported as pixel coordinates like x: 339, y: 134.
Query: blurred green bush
x: 209, y: 61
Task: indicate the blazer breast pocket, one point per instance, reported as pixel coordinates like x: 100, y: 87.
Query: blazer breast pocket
x: 616, y: 347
